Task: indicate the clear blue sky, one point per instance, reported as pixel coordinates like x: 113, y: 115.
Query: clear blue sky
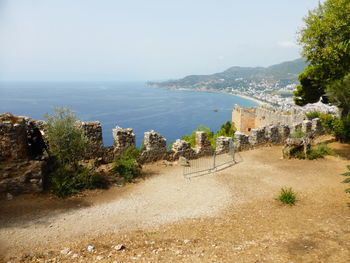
x: 74, y: 40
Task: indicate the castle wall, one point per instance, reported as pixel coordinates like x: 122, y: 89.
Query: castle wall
x: 266, y: 115
x: 247, y: 119
x: 243, y: 119
x: 19, y: 174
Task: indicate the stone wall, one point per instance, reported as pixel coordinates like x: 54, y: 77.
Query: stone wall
x: 268, y: 115
x: 247, y: 119
x: 154, y: 147
x: 123, y: 139
x: 13, y: 137
x: 19, y: 174
x: 275, y: 134
x: 93, y: 130
x: 243, y: 119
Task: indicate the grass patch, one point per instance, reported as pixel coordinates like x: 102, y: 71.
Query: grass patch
x: 287, y: 196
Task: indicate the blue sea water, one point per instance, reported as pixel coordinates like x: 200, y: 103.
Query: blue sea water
x: 172, y: 113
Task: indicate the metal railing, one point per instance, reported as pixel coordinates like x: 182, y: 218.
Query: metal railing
x: 209, y: 164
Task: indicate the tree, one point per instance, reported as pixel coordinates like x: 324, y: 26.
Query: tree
x: 325, y: 40
x: 66, y: 139
x: 339, y: 94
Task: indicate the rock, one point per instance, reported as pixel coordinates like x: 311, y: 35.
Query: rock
x: 75, y: 255
x: 90, y: 248
x: 99, y: 257
x: 186, y: 241
x: 183, y: 161
x: 65, y: 251
x: 119, y: 247
x: 9, y: 196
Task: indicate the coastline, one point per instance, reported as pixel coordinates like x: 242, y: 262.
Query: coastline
x: 259, y: 102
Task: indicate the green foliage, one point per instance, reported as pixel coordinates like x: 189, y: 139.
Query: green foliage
x: 68, y: 144
x: 287, y: 196
x: 298, y: 134
x: 339, y: 127
x: 128, y: 164
x: 66, y: 140
x: 326, y: 47
x: 66, y: 180
x: 192, y: 138
x: 226, y: 130
x: 313, y: 114
x: 320, y: 151
x: 338, y: 93
x: 347, y: 180
x: 314, y: 152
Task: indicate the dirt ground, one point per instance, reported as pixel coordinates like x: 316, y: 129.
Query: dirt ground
x: 229, y: 216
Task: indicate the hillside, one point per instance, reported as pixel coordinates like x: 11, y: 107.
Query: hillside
x: 238, y: 78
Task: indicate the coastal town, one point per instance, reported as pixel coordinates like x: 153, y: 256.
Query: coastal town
x: 278, y: 96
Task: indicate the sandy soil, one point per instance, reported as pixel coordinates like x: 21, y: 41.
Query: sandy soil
x: 230, y: 216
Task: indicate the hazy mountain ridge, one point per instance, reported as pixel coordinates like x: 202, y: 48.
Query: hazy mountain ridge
x: 278, y: 75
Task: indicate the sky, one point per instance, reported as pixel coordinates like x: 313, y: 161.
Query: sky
x: 140, y: 40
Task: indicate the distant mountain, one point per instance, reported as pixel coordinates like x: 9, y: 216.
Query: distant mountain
x: 238, y: 78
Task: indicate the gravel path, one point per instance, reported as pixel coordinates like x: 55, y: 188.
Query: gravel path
x: 159, y: 199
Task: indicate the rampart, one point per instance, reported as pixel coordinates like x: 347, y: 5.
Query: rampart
x: 247, y: 119
x: 20, y: 174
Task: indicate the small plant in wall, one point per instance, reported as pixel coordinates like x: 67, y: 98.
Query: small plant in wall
x: 287, y: 196
x: 347, y: 180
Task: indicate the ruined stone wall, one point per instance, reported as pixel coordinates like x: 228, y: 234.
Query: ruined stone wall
x: 275, y: 134
x: 247, y: 119
x: 93, y: 130
x: 123, y: 139
x: 13, y: 137
x: 18, y: 174
x: 154, y: 147
x: 267, y: 115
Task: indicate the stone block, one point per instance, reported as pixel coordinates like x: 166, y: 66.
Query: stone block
x: 154, y: 147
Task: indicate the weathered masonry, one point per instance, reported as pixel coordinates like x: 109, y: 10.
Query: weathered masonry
x: 247, y: 119
x: 20, y: 174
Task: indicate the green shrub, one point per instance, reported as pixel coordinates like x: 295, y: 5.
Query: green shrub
x: 297, y: 152
x: 298, y: 134
x: 68, y: 144
x: 314, y: 152
x: 347, y: 180
x: 128, y: 164
x: 226, y: 130
x: 192, y: 138
x: 66, y: 181
x: 287, y: 196
x: 66, y: 140
x: 327, y: 122
x: 313, y: 114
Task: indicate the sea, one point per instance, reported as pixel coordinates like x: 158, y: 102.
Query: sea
x: 172, y: 113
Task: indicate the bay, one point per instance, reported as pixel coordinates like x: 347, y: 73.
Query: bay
x: 172, y: 113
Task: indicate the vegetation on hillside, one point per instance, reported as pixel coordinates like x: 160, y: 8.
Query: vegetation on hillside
x: 236, y: 77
